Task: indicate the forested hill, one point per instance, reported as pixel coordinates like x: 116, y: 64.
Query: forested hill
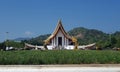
x: 38, y: 40
x: 86, y: 36
x: 83, y: 35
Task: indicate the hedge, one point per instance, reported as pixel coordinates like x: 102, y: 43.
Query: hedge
x: 35, y: 57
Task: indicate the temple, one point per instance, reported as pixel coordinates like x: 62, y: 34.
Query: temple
x: 60, y: 39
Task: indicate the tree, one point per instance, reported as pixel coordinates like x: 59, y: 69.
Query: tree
x: 118, y: 43
x: 113, y: 41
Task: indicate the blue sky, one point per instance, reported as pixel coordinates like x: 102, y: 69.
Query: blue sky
x: 31, y: 18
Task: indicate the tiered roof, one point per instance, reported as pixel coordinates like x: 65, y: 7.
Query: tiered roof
x: 58, y: 27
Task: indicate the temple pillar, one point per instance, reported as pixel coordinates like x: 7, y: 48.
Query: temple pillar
x: 52, y: 42
x: 57, y: 41
x: 62, y: 41
x: 65, y: 41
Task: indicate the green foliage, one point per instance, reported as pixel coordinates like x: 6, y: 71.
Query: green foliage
x: 2, y: 46
x: 14, y: 44
x: 118, y: 43
x: 117, y: 39
x: 103, y: 40
x: 113, y: 41
x: 86, y: 36
x: 38, y: 40
x: 83, y: 35
x: 10, y: 43
x: 59, y: 57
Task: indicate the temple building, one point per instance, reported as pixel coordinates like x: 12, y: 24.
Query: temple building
x: 60, y: 39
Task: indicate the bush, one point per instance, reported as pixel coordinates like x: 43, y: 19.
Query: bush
x: 59, y: 57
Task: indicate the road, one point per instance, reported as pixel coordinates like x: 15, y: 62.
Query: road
x: 59, y: 68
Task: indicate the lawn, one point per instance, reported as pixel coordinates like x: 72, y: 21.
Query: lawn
x: 36, y: 57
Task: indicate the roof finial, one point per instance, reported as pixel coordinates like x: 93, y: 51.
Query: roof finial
x: 59, y: 21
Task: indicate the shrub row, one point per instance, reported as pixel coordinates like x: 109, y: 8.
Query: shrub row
x: 59, y: 57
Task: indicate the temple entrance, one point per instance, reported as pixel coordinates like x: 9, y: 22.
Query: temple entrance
x: 59, y: 41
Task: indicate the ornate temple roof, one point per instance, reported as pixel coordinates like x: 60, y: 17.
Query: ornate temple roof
x: 58, y: 27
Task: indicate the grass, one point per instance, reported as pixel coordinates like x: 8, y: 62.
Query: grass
x: 59, y: 57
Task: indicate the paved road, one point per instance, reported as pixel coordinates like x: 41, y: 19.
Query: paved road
x: 59, y: 68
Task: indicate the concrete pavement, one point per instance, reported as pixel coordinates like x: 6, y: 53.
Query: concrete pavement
x: 61, y: 68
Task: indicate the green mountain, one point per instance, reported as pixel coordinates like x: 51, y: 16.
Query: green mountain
x: 37, y: 40
x: 86, y: 36
x: 83, y: 35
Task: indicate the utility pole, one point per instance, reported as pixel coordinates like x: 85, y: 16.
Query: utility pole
x: 7, y: 35
x: 110, y: 38
x: 7, y: 39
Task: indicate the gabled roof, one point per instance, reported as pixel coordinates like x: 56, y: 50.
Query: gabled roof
x: 58, y: 27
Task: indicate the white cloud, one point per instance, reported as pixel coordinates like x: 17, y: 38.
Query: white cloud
x: 28, y: 33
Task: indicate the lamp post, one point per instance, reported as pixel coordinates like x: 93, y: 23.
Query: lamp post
x: 7, y: 40
x: 110, y: 39
x: 7, y: 35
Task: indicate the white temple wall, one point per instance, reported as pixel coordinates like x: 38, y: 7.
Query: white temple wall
x: 65, y: 42
x: 50, y: 47
x: 59, y: 35
x: 69, y: 47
